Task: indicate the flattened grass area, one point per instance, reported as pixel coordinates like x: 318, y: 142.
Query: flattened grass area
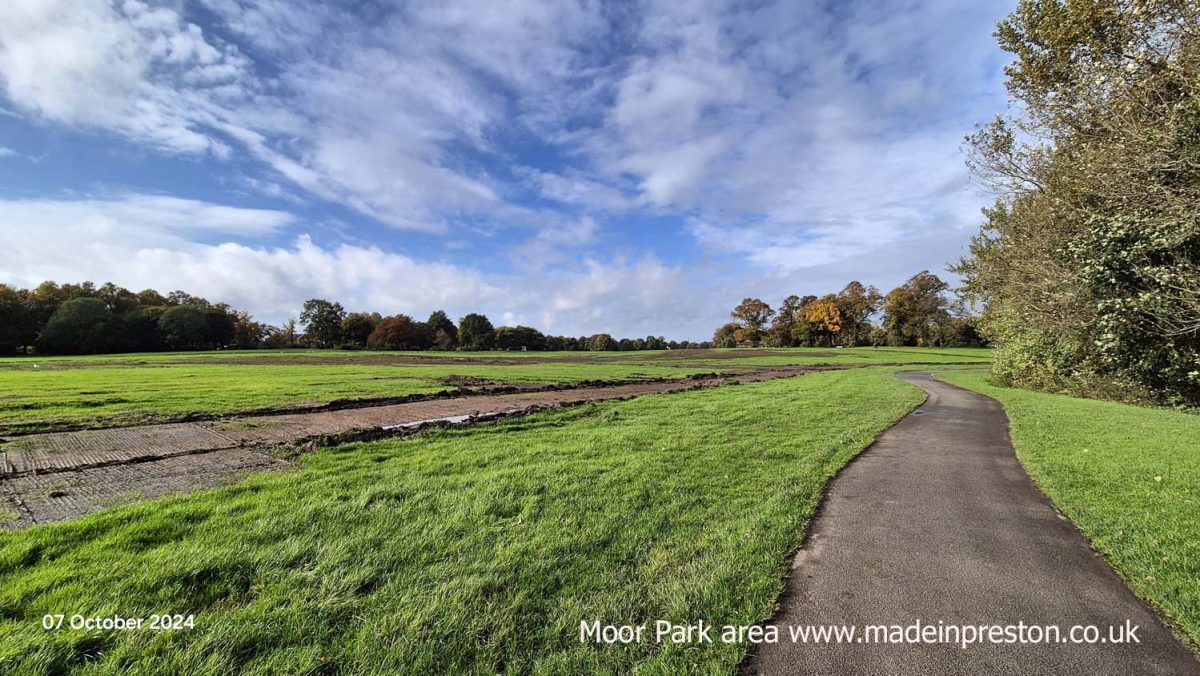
x: 471, y: 550
x: 1128, y: 476
x: 108, y: 390
x: 145, y: 393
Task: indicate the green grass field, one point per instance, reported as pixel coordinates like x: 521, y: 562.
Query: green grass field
x: 1128, y: 476
x: 112, y: 390
x: 472, y: 550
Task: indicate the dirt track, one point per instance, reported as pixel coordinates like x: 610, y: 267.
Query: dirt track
x: 62, y: 475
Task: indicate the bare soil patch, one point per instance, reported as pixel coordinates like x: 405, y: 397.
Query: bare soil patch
x: 97, y: 467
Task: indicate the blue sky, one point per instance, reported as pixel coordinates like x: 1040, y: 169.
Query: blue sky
x: 635, y: 168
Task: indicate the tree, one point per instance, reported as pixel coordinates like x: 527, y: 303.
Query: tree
x: 824, y: 319
x: 281, y: 337
x: 915, y: 311
x: 358, y: 326
x: 120, y: 300
x: 519, y: 338
x: 1088, y: 264
x: 724, y: 336
x: 855, y: 306
x: 602, y: 342
x: 475, y: 332
x: 780, y: 334
x: 753, y: 315
x: 18, y: 326
x: 143, y: 329
x: 82, y: 326
x: 185, y: 327
x: 322, y: 321
x: 443, y: 334
x: 247, y: 333
x: 221, y: 326
x: 397, y: 333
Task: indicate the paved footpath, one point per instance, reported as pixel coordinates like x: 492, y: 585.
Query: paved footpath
x: 937, y: 521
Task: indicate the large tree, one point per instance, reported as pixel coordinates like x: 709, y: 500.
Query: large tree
x: 1089, y: 262
x: 185, y: 327
x: 397, y: 333
x: 322, y: 322
x: 520, y: 338
x: 915, y: 311
x: 83, y: 325
x: 18, y: 324
x: 443, y: 334
x: 475, y: 332
x: 358, y: 326
x: 752, y: 314
x: 602, y: 342
x: 856, y: 304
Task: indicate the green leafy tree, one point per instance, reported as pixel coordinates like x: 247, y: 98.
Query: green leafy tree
x: 247, y: 333
x: 1088, y: 265
x: 520, y: 338
x: 443, y: 333
x: 322, y: 321
x: 185, y: 327
x: 18, y: 324
x: 856, y: 304
x: 475, y: 332
x: 915, y: 311
x: 357, y: 327
x: 83, y: 326
x: 602, y: 342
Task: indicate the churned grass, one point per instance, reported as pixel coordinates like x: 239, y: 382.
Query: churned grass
x: 1128, y: 476
x: 470, y: 550
x: 82, y: 394
x: 131, y: 389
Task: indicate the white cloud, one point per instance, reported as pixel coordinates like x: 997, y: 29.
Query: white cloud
x: 91, y: 64
x: 789, y: 140
x: 7, y: 152
x: 142, y: 241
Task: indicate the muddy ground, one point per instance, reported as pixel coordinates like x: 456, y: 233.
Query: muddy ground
x: 62, y: 475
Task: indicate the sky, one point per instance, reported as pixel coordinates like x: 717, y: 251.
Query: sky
x: 634, y: 168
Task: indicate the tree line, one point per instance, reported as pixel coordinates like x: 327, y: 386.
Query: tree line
x: 89, y: 319
x: 1089, y: 261
x: 918, y: 312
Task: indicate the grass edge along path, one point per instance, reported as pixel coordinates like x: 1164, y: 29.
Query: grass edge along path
x: 1127, y: 476
x: 478, y: 549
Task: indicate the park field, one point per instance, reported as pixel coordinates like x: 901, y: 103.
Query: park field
x: 47, y: 393
x: 1128, y: 476
x: 473, y: 550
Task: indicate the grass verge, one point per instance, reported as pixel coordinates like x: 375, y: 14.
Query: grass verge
x: 473, y: 550
x: 1128, y: 476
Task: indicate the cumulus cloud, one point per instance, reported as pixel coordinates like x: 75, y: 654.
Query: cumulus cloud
x: 769, y: 143
x: 144, y: 241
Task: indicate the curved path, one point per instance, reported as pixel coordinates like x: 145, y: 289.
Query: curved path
x: 937, y: 521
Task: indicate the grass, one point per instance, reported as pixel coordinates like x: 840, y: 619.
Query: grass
x: 92, y: 395
x: 472, y: 550
x: 1128, y: 476
x: 110, y: 390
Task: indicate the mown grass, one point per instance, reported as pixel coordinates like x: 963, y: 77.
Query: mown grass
x: 1128, y: 476
x: 108, y: 390
x: 46, y: 397
x: 475, y: 550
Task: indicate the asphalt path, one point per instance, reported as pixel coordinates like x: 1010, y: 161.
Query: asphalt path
x: 937, y: 522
